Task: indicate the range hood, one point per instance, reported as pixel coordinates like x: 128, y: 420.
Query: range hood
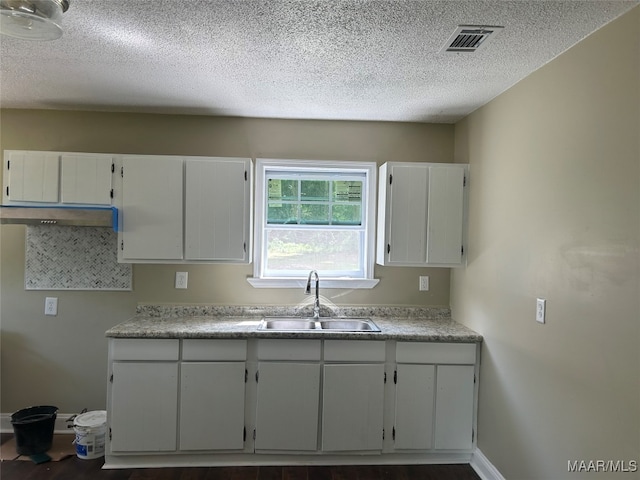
x: 58, y: 215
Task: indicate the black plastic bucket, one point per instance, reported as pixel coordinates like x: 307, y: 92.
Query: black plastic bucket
x: 33, y: 428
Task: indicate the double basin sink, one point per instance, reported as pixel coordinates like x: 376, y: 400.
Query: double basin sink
x: 300, y: 324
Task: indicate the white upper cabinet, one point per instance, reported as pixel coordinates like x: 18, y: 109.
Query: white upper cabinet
x: 31, y: 176
x: 151, y: 206
x: 185, y: 209
x: 86, y: 178
x: 217, y: 209
x: 422, y: 214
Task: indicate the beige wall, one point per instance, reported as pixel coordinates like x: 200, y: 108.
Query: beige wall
x: 555, y: 213
x: 62, y: 360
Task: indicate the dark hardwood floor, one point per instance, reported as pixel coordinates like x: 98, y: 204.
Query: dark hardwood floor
x: 74, y: 468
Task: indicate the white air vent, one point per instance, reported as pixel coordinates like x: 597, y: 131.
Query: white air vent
x: 469, y: 38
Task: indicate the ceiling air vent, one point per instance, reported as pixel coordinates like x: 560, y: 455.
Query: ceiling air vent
x: 469, y: 38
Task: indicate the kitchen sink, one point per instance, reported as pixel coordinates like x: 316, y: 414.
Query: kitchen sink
x: 293, y: 324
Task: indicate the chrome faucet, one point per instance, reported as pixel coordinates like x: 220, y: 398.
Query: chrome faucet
x: 316, y: 303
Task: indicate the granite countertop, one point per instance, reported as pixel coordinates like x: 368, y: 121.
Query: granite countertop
x: 396, y: 323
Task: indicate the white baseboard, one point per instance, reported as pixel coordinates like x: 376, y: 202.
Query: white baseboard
x: 60, y: 427
x: 483, y: 467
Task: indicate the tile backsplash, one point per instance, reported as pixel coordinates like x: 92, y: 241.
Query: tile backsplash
x: 74, y: 258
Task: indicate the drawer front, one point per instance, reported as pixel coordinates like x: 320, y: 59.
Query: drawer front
x: 432, y: 352
x: 354, y: 351
x: 286, y: 349
x: 214, y: 350
x: 165, y: 349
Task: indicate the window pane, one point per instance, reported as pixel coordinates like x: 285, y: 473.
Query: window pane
x: 281, y: 213
x: 346, y: 214
x: 314, y: 214
x: 298, y: 251
x: 350, y: 191
x: 282, y: 189
x: 314, y: 191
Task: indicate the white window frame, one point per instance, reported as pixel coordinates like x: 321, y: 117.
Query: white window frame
x: 369, y: 205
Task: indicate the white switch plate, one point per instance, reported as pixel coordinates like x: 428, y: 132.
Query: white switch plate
x: 541, y: 307
x: 424, y: 284
x: 181, y: 279
x: 51, y: 306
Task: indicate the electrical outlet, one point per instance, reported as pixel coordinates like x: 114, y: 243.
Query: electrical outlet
x: 51, y: 306
x: 541, y: 307
x: 181, y: 279
x: 424, y: 284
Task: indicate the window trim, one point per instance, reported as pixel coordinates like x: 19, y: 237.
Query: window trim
x: 264, y: 164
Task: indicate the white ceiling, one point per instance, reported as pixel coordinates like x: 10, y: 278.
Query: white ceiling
x: 332, y: 59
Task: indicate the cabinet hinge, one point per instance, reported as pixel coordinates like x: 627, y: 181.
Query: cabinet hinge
x: 473, y: 435
x: 244, y: 434
x: 8, y: 164
x: 257, y: 375
x: 244, y: 247
x: 388, y: 248
x: 254, y: 433
x: 462, y: 251
x: 246, y: 375
x: 390, y: 179
x: 111, y: 378
x: 122, y: 172
x: 109, y: 433
x: 111, y: 193
x: 393, y: 433
x: 7, y: 191
x: 395, y: 377
x: 121, y: 244
x: 113, y: 167
x: 474, y: 378
x: 383, y: 434
x: 246, y: 176
x: 385, y: 377
x: 464, y: 181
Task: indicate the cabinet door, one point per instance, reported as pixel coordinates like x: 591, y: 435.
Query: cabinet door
x: 408, y: 214
x: 414, y: 406
x: 287, y: 406
x: 445, y: 214
x: 33, y: 176
x: 217, y: 207
x: 144, y: 406
x: 454, y: 407
x: 86, y: 178
x: 352, y: 409
x: 212, y: 406
x: 152, y: 208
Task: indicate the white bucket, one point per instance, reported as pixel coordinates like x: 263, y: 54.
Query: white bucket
x: 90, y: 428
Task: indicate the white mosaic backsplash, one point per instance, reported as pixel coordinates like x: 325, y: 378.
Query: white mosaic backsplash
x: 74, y: 258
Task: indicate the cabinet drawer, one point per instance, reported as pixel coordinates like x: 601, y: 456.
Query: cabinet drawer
x: 145, y: 349
x: 214, y: 350
x: 285, y: 349
x: 425, y: 352
x: 354, y: 351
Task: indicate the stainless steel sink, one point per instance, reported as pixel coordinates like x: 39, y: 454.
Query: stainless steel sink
x: 287, y: 324
x: 292, y: 324
x: 350, y: 325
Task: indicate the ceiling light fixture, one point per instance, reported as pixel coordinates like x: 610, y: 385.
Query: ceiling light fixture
x: 32, y: 19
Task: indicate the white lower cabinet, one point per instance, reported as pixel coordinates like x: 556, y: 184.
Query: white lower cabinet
x: 435, y: 396
x: 190, y: 399
x: 454, y: 407
x: 352, y: 407
x: 287, y: 406
x: 144, y: 406
x: 212, y: 405
x: 413, y: 428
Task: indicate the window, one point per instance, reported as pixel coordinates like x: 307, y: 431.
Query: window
x: 314, y: 215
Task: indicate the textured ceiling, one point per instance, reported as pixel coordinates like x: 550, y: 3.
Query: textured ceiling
x: 338, y: 59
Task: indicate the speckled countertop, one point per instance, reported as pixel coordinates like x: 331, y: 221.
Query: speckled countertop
x: 396, y: 323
